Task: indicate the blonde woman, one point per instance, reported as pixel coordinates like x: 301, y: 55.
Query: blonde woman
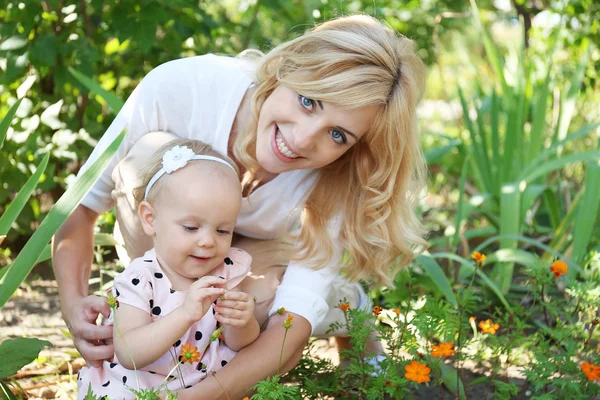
x: 323, y: 128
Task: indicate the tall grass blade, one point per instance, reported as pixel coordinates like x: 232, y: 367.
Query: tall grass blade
x: 435, y: 272
x: 473, y: 270
x: 568, y: 101
x: 510, y: 224
x: 29, y: 255
x: 461, y: 202
x: 552, y: 149
x: 7, y: 120
x: 588, y: 212
x: 14, y: 208
x: 113, y: 101
x: 553, y: 165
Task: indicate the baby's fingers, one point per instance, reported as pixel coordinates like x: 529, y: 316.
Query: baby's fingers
x: 208, y: 281
x: 213, y: 293
x: 231, y: 321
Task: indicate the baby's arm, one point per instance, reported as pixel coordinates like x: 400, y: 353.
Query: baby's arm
x: 138, y: 339
x: 236, y: 313
x: 139, y: 342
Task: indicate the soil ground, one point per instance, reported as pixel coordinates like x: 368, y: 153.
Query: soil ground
x: 34, y: 312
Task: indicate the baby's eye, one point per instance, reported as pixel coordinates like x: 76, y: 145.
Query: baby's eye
x: 223, y: 232
x: 189, y: 228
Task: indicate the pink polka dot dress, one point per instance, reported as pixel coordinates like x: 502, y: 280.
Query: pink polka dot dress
x: 144, y: 285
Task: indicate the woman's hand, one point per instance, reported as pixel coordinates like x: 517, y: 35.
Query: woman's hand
x: 235, y: 309
x: 88, y: 337
x: 200, y: 295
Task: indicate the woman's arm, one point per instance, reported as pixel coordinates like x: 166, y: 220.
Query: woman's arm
x: 255, y: 362
x: 72, y: 254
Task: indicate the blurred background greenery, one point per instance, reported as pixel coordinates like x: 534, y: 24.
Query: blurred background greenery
x: 117, y: 42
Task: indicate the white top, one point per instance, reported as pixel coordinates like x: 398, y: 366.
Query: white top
x: 198, y: 98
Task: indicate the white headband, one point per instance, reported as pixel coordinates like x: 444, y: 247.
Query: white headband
x: 177, y: 158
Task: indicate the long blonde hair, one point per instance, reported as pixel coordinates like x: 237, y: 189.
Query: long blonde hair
x: 353, y: 62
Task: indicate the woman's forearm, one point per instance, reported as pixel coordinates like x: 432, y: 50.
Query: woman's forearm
x: 141, y: 346
x: 237, y: 377
x: 72, y: 254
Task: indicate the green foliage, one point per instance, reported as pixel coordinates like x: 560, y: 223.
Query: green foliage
x: 18, y: 352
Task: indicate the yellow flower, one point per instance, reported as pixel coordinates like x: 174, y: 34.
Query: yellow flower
x: 377, y: 310
x: 288, y: 322
x: 591, y: 371
x: 281, y: 310
x: 417, y: 372
x: 488, y: 326
x: 112, y: 301
x: 559, y: 268
x: 443, y: 350
x: 189, y: 354
x: 344, y: 307
x: 478, y: 257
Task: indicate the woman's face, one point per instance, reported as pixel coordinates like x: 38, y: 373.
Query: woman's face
x: 296, y: 132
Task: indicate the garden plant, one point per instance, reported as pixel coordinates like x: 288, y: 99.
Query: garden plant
x: 505, y: 301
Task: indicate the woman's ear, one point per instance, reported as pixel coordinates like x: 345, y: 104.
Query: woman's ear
x: 147, y: 217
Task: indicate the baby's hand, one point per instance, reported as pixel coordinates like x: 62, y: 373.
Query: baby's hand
x: 200, y: 295
x: 235, y: 309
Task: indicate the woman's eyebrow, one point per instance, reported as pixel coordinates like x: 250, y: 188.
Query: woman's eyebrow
x: 346, y: 131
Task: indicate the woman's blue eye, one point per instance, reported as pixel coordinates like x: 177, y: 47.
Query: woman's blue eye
x: 338, y: 137
x: 306, y: 102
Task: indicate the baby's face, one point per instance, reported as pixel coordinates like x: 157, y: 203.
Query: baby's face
x: 195, y: 214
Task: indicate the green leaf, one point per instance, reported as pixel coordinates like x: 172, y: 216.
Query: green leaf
x: 5, y: 392
x: 29, y: 255
x: 113, y: 101
x: 6, y: 121
x: 433, y: 269
x: 16, y: 353
x: 14, y: 208
x: 587, y: 213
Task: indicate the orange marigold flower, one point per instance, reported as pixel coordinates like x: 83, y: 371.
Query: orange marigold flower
x: 443, y: 350
x: 246, y: 398
x: 417, y: 372
x: 591, y: 371
x: 288, y: 322
x: 344, y: 307
x: 478, y: 257
x: 112, y: 301
x: 189, y: 354
x: 559, y: 268
x: 377, y: 310
x: 396, y: 311
x: 488, y: 326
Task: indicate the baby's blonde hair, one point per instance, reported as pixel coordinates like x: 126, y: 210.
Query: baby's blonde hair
x: 155, y: 164
x: 354, y: 62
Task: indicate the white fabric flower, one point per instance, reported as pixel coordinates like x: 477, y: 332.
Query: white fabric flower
x: 176, y: 158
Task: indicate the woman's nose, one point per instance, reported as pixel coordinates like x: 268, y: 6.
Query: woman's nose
x: 305, y: 136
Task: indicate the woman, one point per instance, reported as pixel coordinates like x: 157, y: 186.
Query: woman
x: 324, y: 129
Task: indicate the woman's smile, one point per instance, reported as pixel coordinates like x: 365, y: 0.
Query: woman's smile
x: 281, y: 148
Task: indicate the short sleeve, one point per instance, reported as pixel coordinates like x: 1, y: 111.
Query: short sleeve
x: 304, y: 290
x: 234, y: 268
x: 133, y: 287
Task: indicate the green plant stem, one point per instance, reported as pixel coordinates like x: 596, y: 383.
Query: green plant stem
x: 281, y: 352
